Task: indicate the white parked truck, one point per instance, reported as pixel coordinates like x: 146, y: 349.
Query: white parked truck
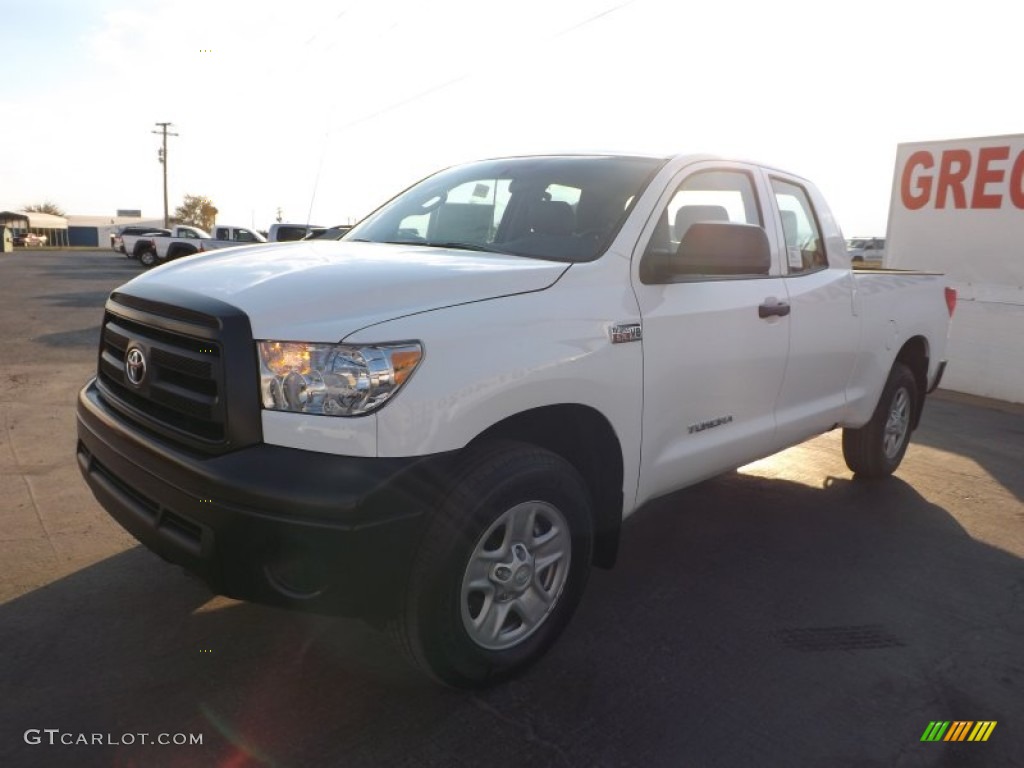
x: 440, y: 422
x: 137, y: 243
x: 185, y: 241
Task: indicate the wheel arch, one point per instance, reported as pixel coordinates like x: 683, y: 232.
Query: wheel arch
x: 584, y: 437
x: 177, y: 250
x: 142, y: 246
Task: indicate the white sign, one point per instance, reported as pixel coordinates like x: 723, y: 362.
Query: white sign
x: 957, y: 207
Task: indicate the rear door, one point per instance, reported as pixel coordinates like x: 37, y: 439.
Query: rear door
x: 713, y: 366
x: 824, y: 332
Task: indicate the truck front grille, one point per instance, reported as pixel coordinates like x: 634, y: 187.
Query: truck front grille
x: 183, y: 394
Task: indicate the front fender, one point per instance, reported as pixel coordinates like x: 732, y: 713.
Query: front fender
x: 487, y: 361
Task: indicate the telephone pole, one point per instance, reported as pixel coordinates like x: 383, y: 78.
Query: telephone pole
x: 162, y: 154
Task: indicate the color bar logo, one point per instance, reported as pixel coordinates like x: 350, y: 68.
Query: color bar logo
x: 958, y: 730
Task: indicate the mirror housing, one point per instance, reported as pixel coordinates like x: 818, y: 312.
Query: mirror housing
x: 722, y: 248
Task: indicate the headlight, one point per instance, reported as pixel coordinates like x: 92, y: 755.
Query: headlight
x: 333, y: 379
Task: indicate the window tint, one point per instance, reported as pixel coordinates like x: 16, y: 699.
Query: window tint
x: 805, y: 249
x: 287, y: 234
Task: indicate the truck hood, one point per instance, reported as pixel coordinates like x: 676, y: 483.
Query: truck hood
x: 315, y: 291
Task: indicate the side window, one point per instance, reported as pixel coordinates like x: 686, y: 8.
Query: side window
x: 223, y: 233
x: 245, y: 236
x: 705, y: 196
x: 805, y: 248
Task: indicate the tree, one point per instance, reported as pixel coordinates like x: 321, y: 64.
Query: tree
x: 45, y: 207
x: 198, y: 211
x: 280, y: 215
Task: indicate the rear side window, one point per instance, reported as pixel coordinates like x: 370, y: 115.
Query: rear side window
x: 805, y: 249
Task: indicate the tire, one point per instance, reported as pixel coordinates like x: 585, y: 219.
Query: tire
x: 480, y: 607
x: 148, y: 258
x: 877, y: 448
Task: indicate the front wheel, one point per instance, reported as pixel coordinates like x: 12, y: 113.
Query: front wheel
x: 148, y: 258
x: 877, y: 448
x: 501, y: 567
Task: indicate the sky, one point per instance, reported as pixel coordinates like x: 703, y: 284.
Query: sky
x: 325, y: 109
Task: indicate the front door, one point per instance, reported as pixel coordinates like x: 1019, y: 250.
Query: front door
x: 715, y: 345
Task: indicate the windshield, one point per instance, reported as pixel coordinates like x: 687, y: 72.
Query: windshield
x: 558, y: 208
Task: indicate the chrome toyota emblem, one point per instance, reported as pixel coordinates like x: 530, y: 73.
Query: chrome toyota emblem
x: 135, y: 366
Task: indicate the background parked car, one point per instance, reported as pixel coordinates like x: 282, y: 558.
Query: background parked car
x: 155, y: 250
x: 336, y: 232
x: 29, y: 239
x: 866, y: 250
x: 280, y: 233
x: 135, y: 245
x: 117, y: 241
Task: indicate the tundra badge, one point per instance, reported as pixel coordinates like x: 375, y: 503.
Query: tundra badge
x: 623, y: 332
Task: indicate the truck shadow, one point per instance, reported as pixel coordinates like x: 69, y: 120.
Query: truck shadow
x: 750, y: 621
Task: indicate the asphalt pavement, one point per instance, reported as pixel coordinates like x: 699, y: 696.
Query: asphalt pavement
x: 780, y: 615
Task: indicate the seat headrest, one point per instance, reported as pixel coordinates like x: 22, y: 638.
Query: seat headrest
x: 690, y: 214
x: 553, y: 217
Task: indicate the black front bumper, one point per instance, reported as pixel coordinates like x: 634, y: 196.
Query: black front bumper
x: 275, y: 525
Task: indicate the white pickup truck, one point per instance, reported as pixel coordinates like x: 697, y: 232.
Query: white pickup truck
x: 137, y: 243
x: 440, y: 423
x: 184, y: 241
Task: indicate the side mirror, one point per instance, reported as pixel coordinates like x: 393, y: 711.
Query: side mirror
x: 722, y: 248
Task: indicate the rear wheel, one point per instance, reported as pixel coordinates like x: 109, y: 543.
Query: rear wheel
x: 877, y: 448
x: 501, y: 568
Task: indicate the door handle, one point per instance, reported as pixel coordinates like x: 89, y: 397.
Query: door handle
x: 773, y: 308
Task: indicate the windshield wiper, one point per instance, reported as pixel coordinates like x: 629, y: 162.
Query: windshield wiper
x: 454, y: 244
x: 462, y: 246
